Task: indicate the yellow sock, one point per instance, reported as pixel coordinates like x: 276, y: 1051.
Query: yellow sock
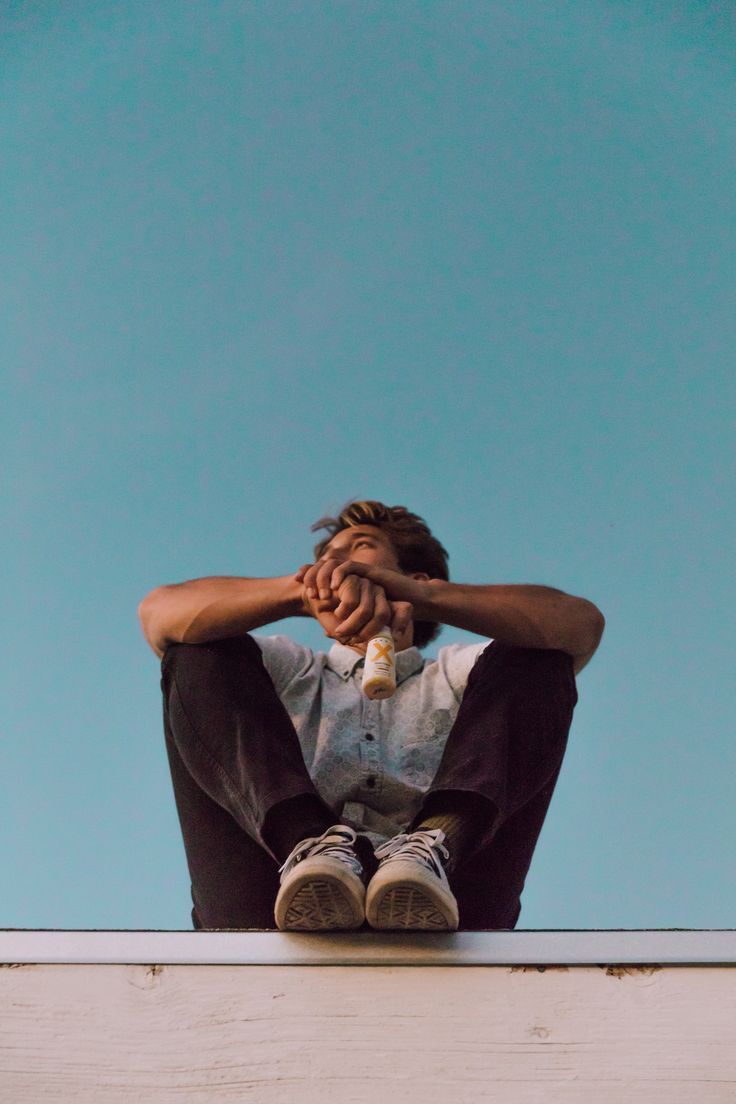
x: 459, y: 829
x: 466, y: 815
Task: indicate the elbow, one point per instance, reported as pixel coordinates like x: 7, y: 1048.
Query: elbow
x: 148, y: 618
x: 147, y: 606
x: 595, y: 624
x: 590, y: 630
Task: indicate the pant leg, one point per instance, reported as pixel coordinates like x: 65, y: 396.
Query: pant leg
x: 234, y: 754
x: 506, y: 746
x: 488, y: 886
x: 234, y: 880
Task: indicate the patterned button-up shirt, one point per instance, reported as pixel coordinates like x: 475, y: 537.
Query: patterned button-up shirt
x: 371, y: 761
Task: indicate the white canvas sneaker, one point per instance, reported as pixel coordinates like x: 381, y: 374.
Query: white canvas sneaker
x: 322, y: 888
x: 410, y: 891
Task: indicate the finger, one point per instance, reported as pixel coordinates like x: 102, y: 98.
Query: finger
x: 363, y: 607
x: 364, y: 611
x: 349, y: 595
x: 323, y: 576
x: 308, y: 574
x: 311, y: 578
x: 299, y: 576
x: 348, y: 567
x: 402, y: 616
x: 378, y: 622
x: 382, y: 611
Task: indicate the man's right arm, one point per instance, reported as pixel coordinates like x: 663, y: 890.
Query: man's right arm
x: 217, y: 607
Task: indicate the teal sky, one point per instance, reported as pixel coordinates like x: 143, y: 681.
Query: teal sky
x: 472, y: 258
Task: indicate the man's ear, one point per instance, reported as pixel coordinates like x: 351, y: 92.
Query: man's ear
x: 419, y: 575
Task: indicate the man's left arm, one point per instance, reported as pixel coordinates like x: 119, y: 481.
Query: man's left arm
x: 523, y: 615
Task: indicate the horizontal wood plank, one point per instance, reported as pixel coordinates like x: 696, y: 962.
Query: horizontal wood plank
x: 270, y: 948
x: 509, y: 1034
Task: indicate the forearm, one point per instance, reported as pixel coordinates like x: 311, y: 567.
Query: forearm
x: 523, y: 615
x: 216, y: 607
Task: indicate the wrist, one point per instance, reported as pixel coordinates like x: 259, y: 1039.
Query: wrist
x: 294, y: 599
x: 423, y: 595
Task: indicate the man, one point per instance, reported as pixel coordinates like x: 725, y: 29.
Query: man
x: 302, y: 800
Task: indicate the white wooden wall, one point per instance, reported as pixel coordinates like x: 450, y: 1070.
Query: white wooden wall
x: 512, y: 1034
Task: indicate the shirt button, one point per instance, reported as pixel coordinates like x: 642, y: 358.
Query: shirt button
x: 370, y: 781
x: 369, y: 735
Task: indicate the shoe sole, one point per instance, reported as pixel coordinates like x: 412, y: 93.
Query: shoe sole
x: 404, y: 905
x: 319, y: 903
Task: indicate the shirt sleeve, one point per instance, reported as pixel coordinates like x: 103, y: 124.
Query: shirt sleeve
x: 284, y: 659
x: 456, y: 661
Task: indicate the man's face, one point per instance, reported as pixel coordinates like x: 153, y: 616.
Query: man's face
x: 366, y: 544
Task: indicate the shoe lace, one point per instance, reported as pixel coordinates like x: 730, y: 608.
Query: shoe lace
x: 337, y: 841
x: 425, y: 845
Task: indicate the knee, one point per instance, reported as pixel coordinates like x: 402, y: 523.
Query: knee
x: 548, y: 676
x: 541, y: 667
x: 549, y: 662
x: 203, y: 659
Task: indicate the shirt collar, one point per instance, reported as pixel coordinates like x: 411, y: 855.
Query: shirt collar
x: 343, y: 661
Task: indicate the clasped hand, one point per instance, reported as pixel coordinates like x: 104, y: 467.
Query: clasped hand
x: 351, y: 607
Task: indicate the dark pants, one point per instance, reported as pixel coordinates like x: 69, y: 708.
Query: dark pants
x: 234, y: 754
